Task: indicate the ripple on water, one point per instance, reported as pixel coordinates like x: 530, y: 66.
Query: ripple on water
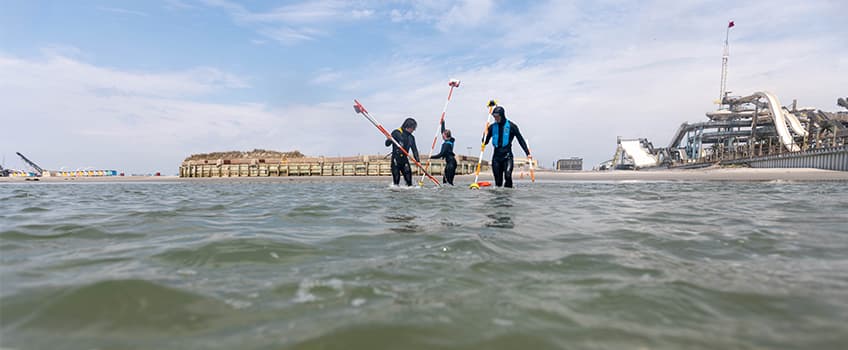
x: 113, y: 306
x: 311, y: 211
x: 34, y: 210
x: 38, y: 232
x: 240, y: 251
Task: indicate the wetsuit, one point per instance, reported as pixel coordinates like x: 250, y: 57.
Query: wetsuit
x: 400, y: 163
x: 502, y: 135
x: 450, y: 160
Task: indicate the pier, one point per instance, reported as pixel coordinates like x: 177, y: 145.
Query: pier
x: 367, y: 165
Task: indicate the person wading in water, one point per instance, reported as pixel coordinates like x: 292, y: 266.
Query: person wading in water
x: 447, y: 153
x: 400, y: 163
x: 502, y: 132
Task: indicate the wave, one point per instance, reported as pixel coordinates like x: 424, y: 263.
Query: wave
x: 113, y: 306
x: 239, y: 251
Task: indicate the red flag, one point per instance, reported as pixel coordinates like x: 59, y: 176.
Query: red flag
x: 730, y: 25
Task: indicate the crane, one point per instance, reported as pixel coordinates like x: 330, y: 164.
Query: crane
x: 37, y: 168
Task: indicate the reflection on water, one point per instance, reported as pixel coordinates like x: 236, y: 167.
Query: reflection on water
x: 501, y: 208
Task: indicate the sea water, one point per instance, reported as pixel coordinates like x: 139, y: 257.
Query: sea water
x: 270, y: 265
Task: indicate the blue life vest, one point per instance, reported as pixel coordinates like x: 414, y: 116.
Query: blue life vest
x: 496, y: 135
x: 449, y: 142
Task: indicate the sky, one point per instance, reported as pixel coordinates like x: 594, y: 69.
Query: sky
x: 137, y: 86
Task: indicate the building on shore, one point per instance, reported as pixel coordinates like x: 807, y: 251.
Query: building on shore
x: 570, y: 164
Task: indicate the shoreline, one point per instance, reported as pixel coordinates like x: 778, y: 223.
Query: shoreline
x: 710, y: 174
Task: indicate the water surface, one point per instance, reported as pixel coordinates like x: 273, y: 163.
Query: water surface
x: 617, y: 265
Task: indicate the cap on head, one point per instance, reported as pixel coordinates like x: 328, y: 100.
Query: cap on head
x: 410, y: 123
x: 499, y: 111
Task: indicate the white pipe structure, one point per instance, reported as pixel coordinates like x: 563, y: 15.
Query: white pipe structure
x: 640, y: 155
x: 780, y: 119
x: 794, y: 123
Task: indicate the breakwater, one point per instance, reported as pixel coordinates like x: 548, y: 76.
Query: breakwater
x: 368, y: 165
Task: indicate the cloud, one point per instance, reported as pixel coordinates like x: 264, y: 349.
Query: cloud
x: 57, y: 70
x: 122, y: 11
x: 445, y: 16
x: 136, y: 121
x: 306, y: 12
x: 326, y: 76
x: 573, y: 75
x: 360, y: 14
x: 289, y: 35
x: 576, y: 75
x: 178, y: 5
x: 60, y: 50
x: 294, y: 23
x: 468, y: 13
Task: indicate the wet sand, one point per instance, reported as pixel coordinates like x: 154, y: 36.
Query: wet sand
x: 710, y: 174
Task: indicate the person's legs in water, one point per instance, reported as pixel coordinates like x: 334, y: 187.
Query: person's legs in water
x: 407, y: 172
x: 508, y: 171
x: 497, y: 170
x: 450, y: 171
x: 395, y: 171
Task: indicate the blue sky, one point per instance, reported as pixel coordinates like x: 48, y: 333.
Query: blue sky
x: 139, y: 85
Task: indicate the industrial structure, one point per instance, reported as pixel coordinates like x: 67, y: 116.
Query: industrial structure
x: 754, y: 130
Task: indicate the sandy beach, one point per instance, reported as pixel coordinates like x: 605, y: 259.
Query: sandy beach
x: 711, y: 174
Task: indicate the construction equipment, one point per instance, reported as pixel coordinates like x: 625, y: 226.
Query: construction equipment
x: 38, y: 170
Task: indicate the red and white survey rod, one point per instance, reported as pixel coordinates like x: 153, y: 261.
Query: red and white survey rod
x: 361, y: 110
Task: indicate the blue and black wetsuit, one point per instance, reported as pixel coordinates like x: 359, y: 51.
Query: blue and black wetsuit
x: 400, y: 163
x: 450, y: 160
x: 502, y: 135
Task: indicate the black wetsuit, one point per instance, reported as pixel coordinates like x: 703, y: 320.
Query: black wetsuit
x: 400, y: 163
x: 502, y: 162
x: 450, y: 160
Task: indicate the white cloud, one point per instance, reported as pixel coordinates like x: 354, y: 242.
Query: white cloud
x: 294, y: 23
x: 325, y: 76
x: 305, y: 12
x: 122, y: 11
x: 105, y: 81
x: 177, y: 5
x: 60, y: 50
x: 359, y: 14
x: 637, y: 71
x: 401, y: 16
x: 289, y: 35
x: 467, y: 13
x: 66, y: 113
x: 573, y: 75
